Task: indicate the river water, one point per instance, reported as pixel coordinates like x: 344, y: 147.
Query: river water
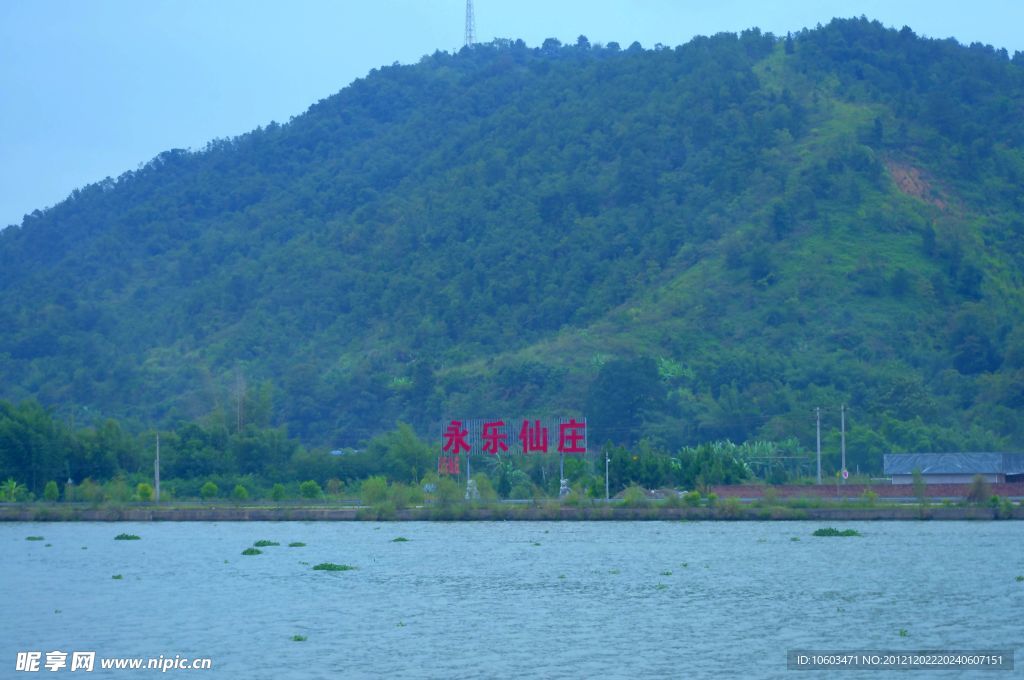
x: 507, y: 599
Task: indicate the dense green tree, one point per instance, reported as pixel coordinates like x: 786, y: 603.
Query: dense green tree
x: 310, y: 490
x: 625, y: 391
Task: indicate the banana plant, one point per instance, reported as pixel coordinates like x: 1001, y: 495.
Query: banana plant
x: 10, y: 490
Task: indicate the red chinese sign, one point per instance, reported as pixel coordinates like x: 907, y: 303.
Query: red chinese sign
x: 493, y: 437
x: 448, y: 465
x: 455, y: 438
x: 572, y: 437
x: 533, y: 437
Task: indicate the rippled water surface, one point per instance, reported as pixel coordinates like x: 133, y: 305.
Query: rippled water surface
x: 508, y: 599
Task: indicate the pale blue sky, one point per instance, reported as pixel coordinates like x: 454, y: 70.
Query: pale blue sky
x: 92, y: 88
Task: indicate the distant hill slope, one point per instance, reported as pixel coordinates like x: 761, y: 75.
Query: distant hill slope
x: 691, y: 243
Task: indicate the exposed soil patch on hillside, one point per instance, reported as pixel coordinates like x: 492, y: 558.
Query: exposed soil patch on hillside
x: 911, y: 182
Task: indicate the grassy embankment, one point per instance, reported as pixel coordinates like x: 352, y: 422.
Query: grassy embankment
x: 629, y: 508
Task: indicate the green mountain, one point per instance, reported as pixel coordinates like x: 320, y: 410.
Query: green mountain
x: 687, y: 244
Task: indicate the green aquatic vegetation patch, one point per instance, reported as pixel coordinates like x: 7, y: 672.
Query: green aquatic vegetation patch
x: 331, y: 566
x: 252, y: 551
x: 264, y: 543
x: 33, y: 538
x: 298, y: 638
x: 1020, y: 579
x: 903, y: 632
x: 661, y: 586
x: 830, y: 531
x: 117, y: 577
x: 666, y: 573
x: 126, y: 537
x: 400, y: 539
x: 296, y: 544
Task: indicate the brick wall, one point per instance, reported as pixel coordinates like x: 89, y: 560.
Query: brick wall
x: 1015, y: 490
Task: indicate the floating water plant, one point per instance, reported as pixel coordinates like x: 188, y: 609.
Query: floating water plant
x: 829, y: 531
x: 252, y: 551
x: 48, y: 545
x: 296, y: 544
x: 298, y: 638
x: 400, y: 539
x: 33, y: 538
x: 126, y: 537
x: 536, y: 544
x: 685, y: 564
x: 1020, y: 578
x: 797, y: 538
x: 264, y: 543
x: 331, y: 566
x: 613, y: 571
x: 661, y: 586
x: 903, y: 632
x: 666, y: 573
x: 117, y: 577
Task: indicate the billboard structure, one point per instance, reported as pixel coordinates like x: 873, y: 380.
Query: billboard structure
x: 509, y: 436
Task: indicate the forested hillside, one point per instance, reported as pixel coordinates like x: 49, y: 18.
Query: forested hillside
x: 684, y: 244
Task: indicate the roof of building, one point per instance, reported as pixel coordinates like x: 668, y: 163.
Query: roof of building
x: 954, y: 463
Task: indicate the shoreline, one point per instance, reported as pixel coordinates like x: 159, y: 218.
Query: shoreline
x: 549, y: 512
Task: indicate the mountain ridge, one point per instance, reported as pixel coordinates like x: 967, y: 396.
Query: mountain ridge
x: 773, y: 224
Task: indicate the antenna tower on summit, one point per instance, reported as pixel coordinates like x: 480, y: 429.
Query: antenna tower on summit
x: 470, y: 24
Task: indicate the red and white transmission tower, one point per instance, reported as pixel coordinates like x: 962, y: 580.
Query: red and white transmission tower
x: 470, y: 24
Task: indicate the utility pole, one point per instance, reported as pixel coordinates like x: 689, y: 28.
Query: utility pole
x: 817, y: 414
x: 607, y: 462
x: 842, y: 411
x: 156, y: 468
x: 470, y: 24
